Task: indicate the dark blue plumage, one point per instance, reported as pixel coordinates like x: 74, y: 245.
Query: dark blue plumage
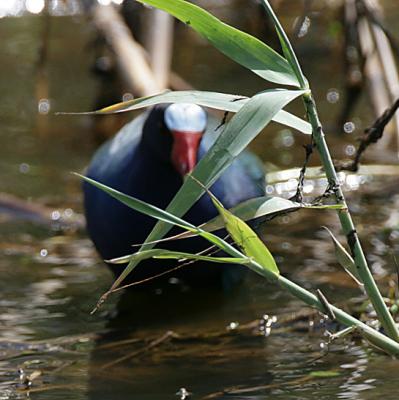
x: 137, y: 161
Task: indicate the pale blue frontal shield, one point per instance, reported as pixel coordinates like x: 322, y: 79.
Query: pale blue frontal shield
x: 185, y: 117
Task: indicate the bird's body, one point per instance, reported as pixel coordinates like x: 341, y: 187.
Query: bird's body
x: 138, y: 162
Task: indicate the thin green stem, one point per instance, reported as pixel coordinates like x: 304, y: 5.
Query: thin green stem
x: 348, y: 227
x: 373, y: 336
x: 286, y: 45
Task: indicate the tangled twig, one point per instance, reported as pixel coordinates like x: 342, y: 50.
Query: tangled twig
x: 373, y: 134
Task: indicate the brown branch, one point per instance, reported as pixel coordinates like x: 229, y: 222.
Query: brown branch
x: 373, y: 134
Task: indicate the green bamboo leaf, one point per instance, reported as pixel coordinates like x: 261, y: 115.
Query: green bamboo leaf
x: 215, y: 100
x: 162, y: 215
x: 155, y: 212
x: 261, y: 208
x: 324, y: 206
x: 236, y: 135
x: 142, y: 206
x: 286, y: 46
x: 246, y: 239
x: 257, y: 208
x: 345, y: 259
x: 235, y: 44
x: 177, y: 255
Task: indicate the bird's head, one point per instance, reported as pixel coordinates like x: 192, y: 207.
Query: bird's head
x: 187, y: 123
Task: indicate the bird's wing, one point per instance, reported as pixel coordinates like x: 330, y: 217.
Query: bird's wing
x: 116, y: 153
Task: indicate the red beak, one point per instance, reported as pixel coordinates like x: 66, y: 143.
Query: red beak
x: 184, y: 150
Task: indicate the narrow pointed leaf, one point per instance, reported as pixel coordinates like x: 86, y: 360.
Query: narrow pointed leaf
x: 324, y: 206
x: 215, y: 100
x: 236, y: 135
x: 241, y: 47
x: 257, y: 208
x: 261, y: 208
x: 286, y: 46
x: 291, y: 120
x: 345, y: 259
x: 177, y: 255
x: 142, y: 206
x: 164, y: 216
x: 246, y: 239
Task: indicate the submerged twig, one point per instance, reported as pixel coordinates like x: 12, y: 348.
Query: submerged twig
x: 164, y: 338
x: 241, y: 390
x: 207, y: 251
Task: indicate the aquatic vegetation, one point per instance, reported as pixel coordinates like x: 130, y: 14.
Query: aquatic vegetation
x: 251, y: 116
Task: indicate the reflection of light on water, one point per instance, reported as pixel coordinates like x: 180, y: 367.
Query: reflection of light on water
x: 43, y: 253
x: 10, y: 7
x: 352, y: 181
x: 269, y: 189
x: 34, y: 6
x: 108, y: 2
x: 55, y: 215
x: 349, y: 127
x: 308, y: 187
x: 127, y: 96
x: 288, y: 186
x: 332, y: 96
x: 13, y: 8
x: 24, y: 168
x: 304, y: 29
x: 43, y: 106
x: 350, y: 150
x: 355, y: 383
x: 315, y: 187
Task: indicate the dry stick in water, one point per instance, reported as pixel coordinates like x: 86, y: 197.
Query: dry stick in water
x: 162, y: 339
x: 373, y: 135
x: 208, y: 251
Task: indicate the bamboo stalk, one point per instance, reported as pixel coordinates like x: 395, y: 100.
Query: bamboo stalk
x: 378, y: 339
x: 347, y: 225
x: 390, y: 345
x: 344, y: 215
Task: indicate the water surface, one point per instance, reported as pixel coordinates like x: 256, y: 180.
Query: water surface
x: 248, y: 344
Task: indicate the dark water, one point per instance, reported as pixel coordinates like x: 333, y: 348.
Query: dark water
x: 248, y: 344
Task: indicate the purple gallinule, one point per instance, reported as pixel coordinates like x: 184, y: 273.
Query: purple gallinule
x: 148, y: 159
